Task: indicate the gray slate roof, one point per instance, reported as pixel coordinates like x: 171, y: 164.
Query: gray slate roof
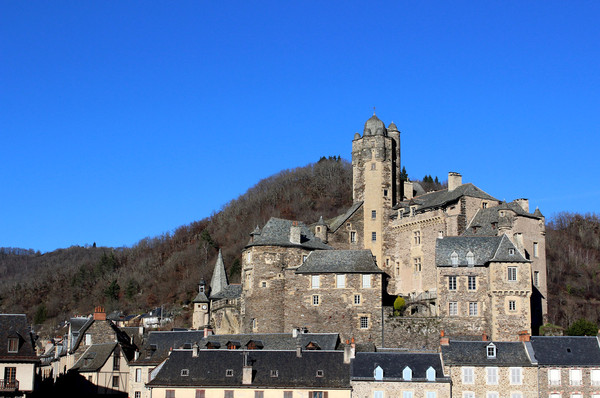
x: 443, y: 197
x: 79, y: 325
x: 339, y: 261
x: 276, y: 232
x: 230, y: 292
x: 485, y: 219
x: 566, y: 350
x: 485, y: 249
x: 219, y: 278
x: 16, y: 326
x: 337, y: 222
x: 94, y: 357
x: 465, y: 353
x: 393, y: 363
x: 210, y: 366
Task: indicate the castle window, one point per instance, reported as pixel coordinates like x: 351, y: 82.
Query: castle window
x: 492, y: 374
x: 366, y: 281
x: 385, y: 192
x: 473, y: 309
x: 484, y: 205
x: 387, y: 262
x: 452, y: 282
x: 315, y: 281
x: 372, y: 166
x: 453, y: 308
x: 417, y: 263
x: 185, y: 372
x: 400, y: 214
x: 413, y: 210
x: 263, y: 284
x: 491, y: 350
x: 352, y: 236
x: 454, y: 258
x: 13, y: 344
x: 470, y: 259
x: 472, y: 285
x: 417, y: 237
x: 315, y: 299
x: 373, y: 214
x: 318, y: 229
x: 374, y: 236
x: 364, y: 322
x: 254, y: 324
x: 536, y: 252
x: 397, y: 269
x: 536, y: 278
x: 357, y: 299
x: 340, y: 281
x: 512, y: 305
x: 512, y: 274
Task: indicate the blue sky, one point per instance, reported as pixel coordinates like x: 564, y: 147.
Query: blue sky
x: 121, y: 120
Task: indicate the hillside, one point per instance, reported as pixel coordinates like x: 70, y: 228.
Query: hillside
x: 166, y: 269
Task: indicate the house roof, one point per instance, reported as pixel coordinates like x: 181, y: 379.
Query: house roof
x: 484, y: 248
x: 94, y: 357
x: 337, y: 222
x: 393, y: 363
x: 486, y: 220
x: 566, y: 350
x: 78, y: 327
x: 276, y: 232
x: 210, y: 367
x: 16, y: 326
x: 444, y: 197
x: 230, y: 291
x: 339, y: 261
x: 464, y: 353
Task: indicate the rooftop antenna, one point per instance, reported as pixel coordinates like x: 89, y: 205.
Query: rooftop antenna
x: 373, y: 111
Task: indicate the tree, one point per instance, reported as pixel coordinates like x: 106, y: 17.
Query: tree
x: 112, y: 291
x: 132, y: 288
x: 40, y: 314
x: 583, y: 327
x: 403, y: 174
x: 399, y: 305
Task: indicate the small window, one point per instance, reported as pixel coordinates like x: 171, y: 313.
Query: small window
x: 170, y: 394
x: 288, y: 394
x: 315, y: 281
x: 373, y: 214
x: 373, y: 166
x: 259, y: 394
x: 377, y: 394
x: 138, y: 375
x: 417, y: 237
x: 536, y: 250
x: 357, y: 299
x: 228, y: 394
x: 491, y: 350
x: 413, y: 211
x: 536, y: 278
x: 417, y: 264
x: 484, y: 205
x: 352, y: 236
x: 374, y: 236
x: 88, y: 339
x: 512, y: 274
x: 453, y: 308
x: 366, y: 281
x: 274, y: 373
x: 116, y: 361
x: 492, y: 375
x: 595, y: 377
x: 472, y: 285
x: 185, y: 372
x: 575, y: 377
x: 364, y: 322
x: 138, y: 394
x: 407, y: 373
x: 320, y: 373
x: 473, y: 309
x: 13, y: 344
x: 200, y: 393
x: 385, y: 193
x: 340, y: 281
x: 430, y: 374
x: 407, y: 394
x: 263, y: 284
x: 115, y: 381
x: 512, y: 305
x: 229, y: 373
x: 378, y: 373
x: 315, y: 299
x: 452, y: 282
x: 254, y: 324
x: 454, y: 258
x: 431, y: 394
x: 304, y: 257
x: 470, y: 259
x: 511, y: 251
x: 554, y: 377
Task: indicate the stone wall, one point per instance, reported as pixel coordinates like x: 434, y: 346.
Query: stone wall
x: 341, y: 239
x: 366, y: 389
x: 480, y: 388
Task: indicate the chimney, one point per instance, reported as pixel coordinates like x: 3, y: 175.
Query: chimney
x: 207, y: 332
x: 524, y: 203
x: 484, y: 337
x: 298, y: 349
x: 408, y: 190
x: 247, y: 375
x: 444, y: 340
x: 295, y: 233
x: 454, y: 181
x: 352, y: 348
x: 295, y: 332
x: 524, y: 336
x: 348, y: 352
x: 195, y: 350
x: 99, y: 314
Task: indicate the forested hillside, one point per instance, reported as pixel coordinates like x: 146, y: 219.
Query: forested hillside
x: 165, y: 270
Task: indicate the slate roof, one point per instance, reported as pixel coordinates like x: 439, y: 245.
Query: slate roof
x: 393, y: 363
x: 339, y: 261
x: 200, y: 298
x: 465, y: 353
x: 276, y: 232
x: 219, y: 278
x: 485, y: 219
x: 230, y: 292
x: 94, y: 357
x: 484, y: 249
x: 162, y: 342
x: 16, y: 326
x: 337, y: 222
x: 566, y: 350
x: 78, y: 327
x: 210, y: 366
x: 444, y: 197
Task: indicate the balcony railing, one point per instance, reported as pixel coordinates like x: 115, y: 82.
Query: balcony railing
x: 9, y: 385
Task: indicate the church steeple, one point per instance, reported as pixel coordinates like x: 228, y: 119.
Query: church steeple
x: 219, y: 281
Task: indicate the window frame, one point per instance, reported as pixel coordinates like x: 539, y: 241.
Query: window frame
x: 366, y: 281
x: 516, y: 376
x: 452, y: 285
x: 473, y: 308
x: 453, y: 308
x: 315, y: 281
x: 491, y: 375
x: 512, y: 274
x: 468, y: 375
x: 471, y: 283
x: 340, y: 281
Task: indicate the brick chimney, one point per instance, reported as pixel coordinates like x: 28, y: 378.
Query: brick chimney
x: 295, y: 233
x: 454, y: 181
x: 99, y: 314
x: 524, y: 336
x: 444, y: 340
x: 484, y: 337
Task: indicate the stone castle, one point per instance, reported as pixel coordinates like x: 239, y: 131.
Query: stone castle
x: 471, y: 262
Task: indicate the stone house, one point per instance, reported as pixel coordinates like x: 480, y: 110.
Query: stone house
x: 18, y: 360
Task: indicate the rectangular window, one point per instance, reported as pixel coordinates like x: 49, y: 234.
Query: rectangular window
x: 352, y: 236
x: 357, y: 299
x: 228, y: 394
x: 115, y: 381
x: 512, y: 305
x: 516, y: 376
x: 468, y: 375
x: 315, y: 299
x: 373, y: 214
x: 452, y: 282
x: 516, y: 395
x: 512, y: 274
x: 431, y: 394
x: 595, y: 377
x: 385, y: 192
x: 473, y: 309
x: 407, y: 394
x: 453, y: 308
x: 417, y: 237
x: 288, y: 394
x: 138, y: 375
x: 10, y: 375
x: 116, y: 361
x: 200, y: 393
x: 491, y: 394
x: 554, y: 377
x: 468, y: 394
x: 472, y: 283
x: 377, y: 394
x: 315, y: 281
x: 13, y: 344
x: 137, y: 394
x: 259, y: 394
x: 366, y: 281
x: 364, y: 322
x: 536, y: 278
x: 536, y: 252
x: 374, y: 236
x: 340, y: 281
x: 417, y: 263
x: 170, y: 394
x: 492, y: 375
x: 575, y: 377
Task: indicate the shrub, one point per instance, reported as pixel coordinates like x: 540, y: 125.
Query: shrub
x: 583, y: 327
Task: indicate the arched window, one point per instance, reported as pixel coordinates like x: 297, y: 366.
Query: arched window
x: 407, y: 373
x: 454, y: 258
x: 470, y: 258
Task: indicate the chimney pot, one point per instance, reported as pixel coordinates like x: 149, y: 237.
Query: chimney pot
x: 454, y: 181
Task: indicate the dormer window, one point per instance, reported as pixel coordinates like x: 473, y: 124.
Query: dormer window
x: 378, y: 373
x: 229, y: 373
x: 13, y: 344
x: 274, y: 373
x: 407, y: 373
x: 413, y: 211
x: 511, y: 252
x: 430, y: 374
x: 491, y: 350
x: 185, y: 372
x: 470, y: 259
x: 454, y: 258
x: 320, y: 373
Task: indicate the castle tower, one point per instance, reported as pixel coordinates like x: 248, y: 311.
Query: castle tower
x: 376, y: 179
x: 201, y: 307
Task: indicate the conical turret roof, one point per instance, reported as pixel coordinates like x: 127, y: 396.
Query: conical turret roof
x: 219, y: 281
